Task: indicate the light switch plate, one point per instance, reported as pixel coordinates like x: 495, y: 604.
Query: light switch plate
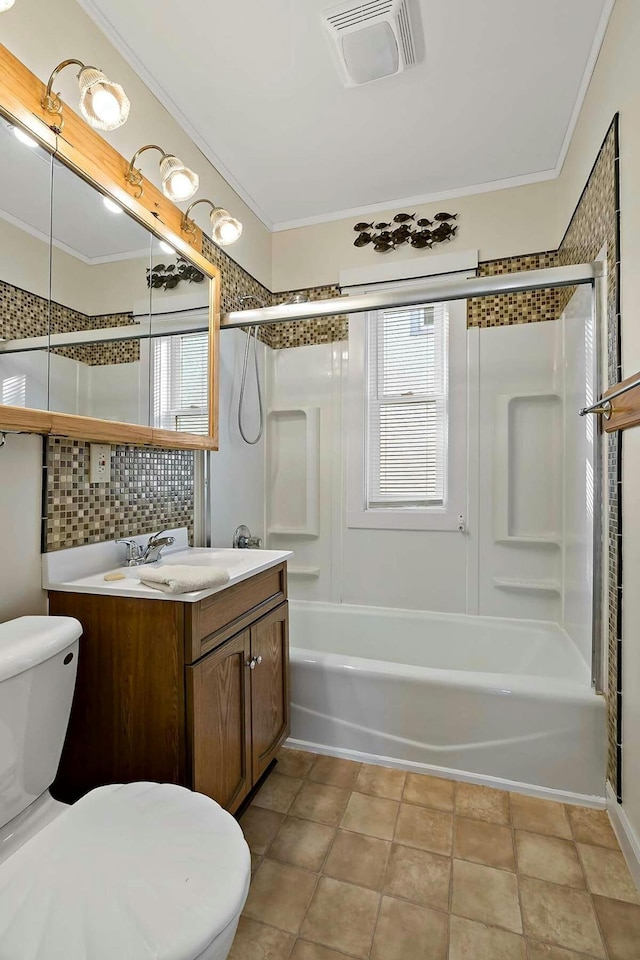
x: 100, y: 463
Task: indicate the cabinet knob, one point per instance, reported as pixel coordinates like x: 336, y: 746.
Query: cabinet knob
x: 258, y: 660
x: 251, y: 663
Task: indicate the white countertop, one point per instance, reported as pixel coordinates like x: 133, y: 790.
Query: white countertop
x: 82, y: 569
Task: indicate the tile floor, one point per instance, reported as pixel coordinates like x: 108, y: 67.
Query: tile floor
x: 352, y: 860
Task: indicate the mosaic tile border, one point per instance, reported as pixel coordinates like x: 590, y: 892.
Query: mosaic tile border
x: 596, y: 224
x: 236, y: 282
x: 528, y: 306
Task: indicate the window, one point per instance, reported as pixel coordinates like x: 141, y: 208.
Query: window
x: 407, y: 407
x: 181, y: 382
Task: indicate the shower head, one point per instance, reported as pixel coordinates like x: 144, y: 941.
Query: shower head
x: 250, y: 296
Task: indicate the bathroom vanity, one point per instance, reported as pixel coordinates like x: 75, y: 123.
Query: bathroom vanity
x: 190, y: 689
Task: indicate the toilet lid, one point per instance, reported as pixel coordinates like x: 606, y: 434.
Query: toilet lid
x: 141, y: 871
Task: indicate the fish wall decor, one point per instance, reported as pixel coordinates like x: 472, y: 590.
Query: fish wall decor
x: 404, y: 228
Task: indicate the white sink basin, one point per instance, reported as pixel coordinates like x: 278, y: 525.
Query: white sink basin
x: 82, y: 569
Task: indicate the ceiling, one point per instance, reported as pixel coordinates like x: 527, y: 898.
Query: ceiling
x: 491, y: 102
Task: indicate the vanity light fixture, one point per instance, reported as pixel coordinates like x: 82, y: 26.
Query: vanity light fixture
x: 225, y: 229
x: 179, y: 183
x: 103, y: 103
x: 166, y: 248
x: 6, y: 5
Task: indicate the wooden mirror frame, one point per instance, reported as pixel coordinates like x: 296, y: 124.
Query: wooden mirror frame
x: 81, y: 148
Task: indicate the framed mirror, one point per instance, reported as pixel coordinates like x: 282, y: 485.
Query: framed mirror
x: 108, y: 317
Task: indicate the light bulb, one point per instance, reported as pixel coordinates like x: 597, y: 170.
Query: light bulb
x: 105, y: 104
x: 179, y: 186
x: 24, y: 138
x: 111, y: 205
x: 225, y: 229
x: 178, y: 181
x: 229, y: 232
x: 166, y: 248
x: 6, y: 5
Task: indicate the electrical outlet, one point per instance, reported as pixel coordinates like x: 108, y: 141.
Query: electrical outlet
x: 100, y: 463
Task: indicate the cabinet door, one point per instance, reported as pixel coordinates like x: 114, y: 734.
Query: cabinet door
x: 218, y: 700
x: 269, y: 687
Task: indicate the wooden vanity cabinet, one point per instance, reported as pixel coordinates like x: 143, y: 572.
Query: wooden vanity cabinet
x: 195, y: 694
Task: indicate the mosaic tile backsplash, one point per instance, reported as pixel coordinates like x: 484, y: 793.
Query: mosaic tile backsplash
x: 150, y: 490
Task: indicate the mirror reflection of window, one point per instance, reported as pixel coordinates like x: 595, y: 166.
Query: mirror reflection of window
x: 180, y: 383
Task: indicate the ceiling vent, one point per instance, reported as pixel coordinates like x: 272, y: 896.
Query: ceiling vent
x: 371, y: 40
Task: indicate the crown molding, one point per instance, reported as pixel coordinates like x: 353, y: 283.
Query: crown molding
x: 420, y: 200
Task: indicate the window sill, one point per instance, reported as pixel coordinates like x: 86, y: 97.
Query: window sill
x: 425, y: 519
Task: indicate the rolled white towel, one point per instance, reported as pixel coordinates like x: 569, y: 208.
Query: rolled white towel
x: 181, y: 578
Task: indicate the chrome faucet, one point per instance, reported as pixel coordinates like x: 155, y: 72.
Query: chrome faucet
x: 242, y: 539
x: 137, y: 554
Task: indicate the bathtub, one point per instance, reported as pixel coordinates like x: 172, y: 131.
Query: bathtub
x: 480, y: 698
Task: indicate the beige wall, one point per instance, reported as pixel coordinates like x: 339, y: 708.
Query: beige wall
x: 43, y: 34
x: 20, y: 508
x: 616, y: 87
x: 498, y: 224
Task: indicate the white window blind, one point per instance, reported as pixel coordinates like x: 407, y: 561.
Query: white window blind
x: 181, y: 382
x: 407, y: 406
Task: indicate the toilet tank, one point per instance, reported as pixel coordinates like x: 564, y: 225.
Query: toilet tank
x: 38, y: 659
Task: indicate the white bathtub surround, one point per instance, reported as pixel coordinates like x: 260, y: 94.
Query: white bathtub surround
x: 82, y: 569
x: 494, y: 701
x: 523, y: 552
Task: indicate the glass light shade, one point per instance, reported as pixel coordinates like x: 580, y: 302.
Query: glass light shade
x: 103, y: 104
x: 178, y: 182
x: 225, y: 229
x: 166, y: 248
x: 6, y: 5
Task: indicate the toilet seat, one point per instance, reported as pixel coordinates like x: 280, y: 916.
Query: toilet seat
x: 139, y: 871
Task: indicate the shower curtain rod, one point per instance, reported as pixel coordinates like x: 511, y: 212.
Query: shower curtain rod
x: 429, y: 293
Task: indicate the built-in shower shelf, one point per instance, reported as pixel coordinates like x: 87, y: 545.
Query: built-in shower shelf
x: 293, y: 472
x: 300, y: 571
x: 544, y: 584
x: 292, y: 532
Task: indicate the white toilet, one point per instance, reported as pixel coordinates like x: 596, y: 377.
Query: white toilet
x: 140, y: 871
